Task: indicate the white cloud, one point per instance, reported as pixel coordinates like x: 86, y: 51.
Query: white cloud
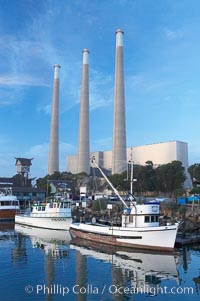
x: 21, y: 80
x: 101, y: 144
x: 40, y: 154
x: 7, y: 164
x: 101, y: 90
x: 23, y: 62
x: 145, y: 83
x: 173, y: 34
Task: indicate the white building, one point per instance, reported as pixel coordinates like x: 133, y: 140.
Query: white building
x: 158, y: 153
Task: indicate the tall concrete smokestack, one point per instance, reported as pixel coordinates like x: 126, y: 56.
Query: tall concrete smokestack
x: 119, y: 157
x: 54, y: 130
x: 83, y: 140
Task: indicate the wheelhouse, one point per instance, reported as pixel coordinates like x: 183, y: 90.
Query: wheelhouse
x: 9, y: 203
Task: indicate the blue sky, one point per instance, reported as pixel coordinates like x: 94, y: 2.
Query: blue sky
x: 162, y: 74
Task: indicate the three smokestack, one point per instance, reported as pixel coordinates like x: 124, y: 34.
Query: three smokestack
x: 54, y: 129
x: 119, y: 157
x: 83, y: 140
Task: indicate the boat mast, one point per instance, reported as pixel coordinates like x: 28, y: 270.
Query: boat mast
x: 105, y: 177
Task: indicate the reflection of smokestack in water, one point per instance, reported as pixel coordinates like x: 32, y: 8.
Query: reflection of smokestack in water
x: 119, y: 158
x: 54, y: 131
x: 83, y: 140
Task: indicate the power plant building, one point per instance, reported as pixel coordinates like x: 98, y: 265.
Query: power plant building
x: 159, y: 153
x: 116, y: 160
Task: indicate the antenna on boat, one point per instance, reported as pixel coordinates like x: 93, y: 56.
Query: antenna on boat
x: 105, y: 177
x: 132, y: 180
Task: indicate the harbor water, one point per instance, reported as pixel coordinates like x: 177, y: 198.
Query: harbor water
x: 39, y: 264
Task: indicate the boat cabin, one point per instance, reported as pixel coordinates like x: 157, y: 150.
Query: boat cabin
x: 145, y: 215
x: 8, y: 202
x: 52, y: 208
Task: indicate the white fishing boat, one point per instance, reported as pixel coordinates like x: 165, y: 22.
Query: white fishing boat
x: 140, y: 227
x: 9, y: 205
x: 53, y: 214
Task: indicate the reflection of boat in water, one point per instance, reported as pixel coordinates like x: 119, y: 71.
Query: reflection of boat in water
x: 7, y: 226
x: 53, y: 242
x: 6, y: 230
x: 144, y: 267
x: 7, y: 234
x: 53, y: 214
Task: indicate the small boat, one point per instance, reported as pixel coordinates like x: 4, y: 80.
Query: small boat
x: 140, y: 227
x: 54, y: 214
x: 9, y: 205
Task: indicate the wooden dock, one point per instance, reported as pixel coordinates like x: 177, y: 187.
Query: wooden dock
x: 187, y: 240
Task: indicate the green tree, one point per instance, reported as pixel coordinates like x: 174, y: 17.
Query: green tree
x: 170, y: 177
x: 99, y: 205
x: 76, y: 180
x: 182, y: 211
x: 195, y: 190
x: 194, y: 171
x: 146, y: 178
x: 150, y: 176
x: 119, y: 181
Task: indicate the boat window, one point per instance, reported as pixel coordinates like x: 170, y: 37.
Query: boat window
x: 39, y: 208
x: 15, y: 203
x: 54, y: 205
x: 61, y: 205
x: 6, y: 203
x: 147, y: 219
x: 51, y: 205
x: 66, y: 205
x: 130, y: 218
x: 43, y: 208
x: 152, y: 218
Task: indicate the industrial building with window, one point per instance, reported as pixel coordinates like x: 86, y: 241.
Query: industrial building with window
x: 159, y: 153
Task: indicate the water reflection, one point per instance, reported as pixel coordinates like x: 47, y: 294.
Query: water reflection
x: 141, y: 270
x: 53, y: 242
x: 39, y: 256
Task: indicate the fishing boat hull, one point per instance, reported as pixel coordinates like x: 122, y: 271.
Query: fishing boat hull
x: 55, y: 223
x: 9, y: 206
x: 152, y: 238
x: 7, y: 214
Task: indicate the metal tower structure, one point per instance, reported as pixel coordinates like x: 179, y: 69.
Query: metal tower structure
x: 119, y: 157
x: 54, y: 130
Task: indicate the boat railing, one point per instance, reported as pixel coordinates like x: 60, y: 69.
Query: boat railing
x: 46, y: 214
